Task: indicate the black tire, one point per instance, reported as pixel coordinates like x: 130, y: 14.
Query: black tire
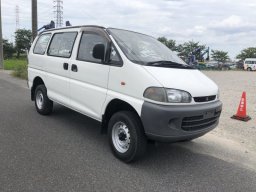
x: 43, y: 104
x: 249, y: 69
x: 135, y: 132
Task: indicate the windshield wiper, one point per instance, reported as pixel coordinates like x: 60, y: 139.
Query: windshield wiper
x: 169, y: 64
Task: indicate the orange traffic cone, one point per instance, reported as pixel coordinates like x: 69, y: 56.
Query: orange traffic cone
x: 241, y: 111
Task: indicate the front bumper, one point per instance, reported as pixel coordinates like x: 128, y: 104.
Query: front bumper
x: 179, y: 122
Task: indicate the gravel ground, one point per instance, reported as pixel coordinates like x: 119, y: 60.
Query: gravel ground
x: 231, y: 85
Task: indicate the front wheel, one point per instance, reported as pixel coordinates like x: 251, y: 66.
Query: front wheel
x: 43, y: 104
x: 249, y: 69
x: 126, y: 136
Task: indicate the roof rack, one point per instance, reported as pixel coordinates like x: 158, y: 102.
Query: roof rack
x: 70, y: 27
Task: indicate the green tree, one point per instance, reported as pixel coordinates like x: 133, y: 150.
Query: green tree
x: 171, y: 44
x: 247, y: 53
x: 184, y: 50
x: 23, y: 39
x: 8, y: 48
x: 188, y: 47
x: 220, y: 56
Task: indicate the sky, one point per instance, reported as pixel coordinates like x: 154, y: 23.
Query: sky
x: 228, y: 25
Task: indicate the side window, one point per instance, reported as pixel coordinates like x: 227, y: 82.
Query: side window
x: 114, y: 57
x: 41, y: 44
x: 88, y: 41
x: 62, y: 44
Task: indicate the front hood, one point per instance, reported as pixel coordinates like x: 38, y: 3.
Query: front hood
x: 190, y: 80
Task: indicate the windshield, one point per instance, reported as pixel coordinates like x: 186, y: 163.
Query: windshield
x: 143, y: 49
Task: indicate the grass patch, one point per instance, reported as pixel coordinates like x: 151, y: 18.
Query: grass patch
x: 21, y: 71
x: 19, y: 67
x: 11, y: 64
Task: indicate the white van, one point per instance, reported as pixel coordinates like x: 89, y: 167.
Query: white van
x: 134, y: 85
x: 250, y: 64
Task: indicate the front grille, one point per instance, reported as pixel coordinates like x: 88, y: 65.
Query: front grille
x: 199, y: 122
x: 205, y: 99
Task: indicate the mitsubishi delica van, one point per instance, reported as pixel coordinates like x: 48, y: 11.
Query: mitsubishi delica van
x: 135, y: 86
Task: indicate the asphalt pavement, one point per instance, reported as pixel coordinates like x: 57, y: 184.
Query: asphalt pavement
x: 66, y: 152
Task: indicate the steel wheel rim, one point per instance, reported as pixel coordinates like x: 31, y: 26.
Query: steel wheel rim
x: 121, y: 137
x: 39, y: 99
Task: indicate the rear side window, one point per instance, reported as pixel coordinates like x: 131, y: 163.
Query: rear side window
x: 62, y: 44
x: 88, y: 41
x: 42, y: 44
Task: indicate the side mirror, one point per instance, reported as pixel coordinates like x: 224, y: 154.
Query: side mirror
x: 99, y: 51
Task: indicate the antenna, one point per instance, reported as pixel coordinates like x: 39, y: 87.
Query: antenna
x: 17, y: 12
x: 58, y: 12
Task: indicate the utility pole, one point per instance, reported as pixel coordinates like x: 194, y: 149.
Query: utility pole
x: 17, y: 13
x: 34, y: 19
x: 58, y: 12
x: 1, y: 39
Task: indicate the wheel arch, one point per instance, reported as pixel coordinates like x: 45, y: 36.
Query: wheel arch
x: 114, y: 106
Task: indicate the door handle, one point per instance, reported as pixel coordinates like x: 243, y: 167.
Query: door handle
x: 65, y: 66
x: 74, y: 68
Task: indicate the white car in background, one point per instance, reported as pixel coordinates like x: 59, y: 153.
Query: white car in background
x: 250, y: 64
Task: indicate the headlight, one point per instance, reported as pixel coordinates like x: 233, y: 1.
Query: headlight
x: 167, y: 95
x: 178, y: 96
x: 156, y: 94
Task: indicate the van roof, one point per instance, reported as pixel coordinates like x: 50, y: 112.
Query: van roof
x: 250, y: 59
x: 72, y: 27
x: 81, y: 26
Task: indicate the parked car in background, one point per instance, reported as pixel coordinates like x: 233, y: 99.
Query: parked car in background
x: 217, y: 65
x: 250, y: 64
x: 212, y: 65
x: 224, y: 66
x: 201, y: 66
x: 240, y: 65
x: 231, y: 65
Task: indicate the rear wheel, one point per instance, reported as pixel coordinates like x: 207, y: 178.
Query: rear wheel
x: 126, y: 136
x: 43, y: 104
x: 249, y: 69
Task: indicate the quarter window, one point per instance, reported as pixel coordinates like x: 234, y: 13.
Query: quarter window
x: 114, y: 57
x: 62, y: 44
x: 41, y: 44
x: 88, y: 41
